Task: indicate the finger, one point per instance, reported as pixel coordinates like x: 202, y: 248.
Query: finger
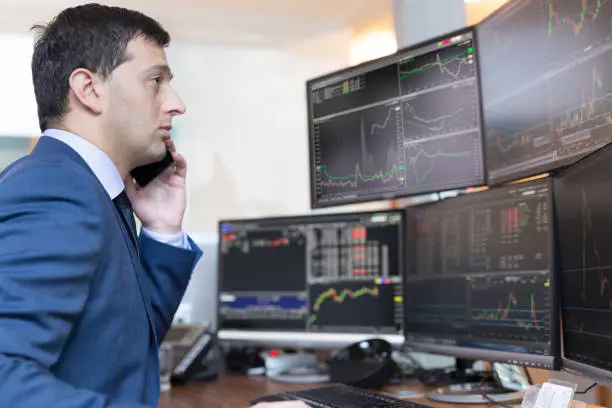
x: 180, y: 164
x: 170, y: 145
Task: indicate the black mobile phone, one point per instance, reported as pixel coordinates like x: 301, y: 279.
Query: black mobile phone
x: 145, y: 174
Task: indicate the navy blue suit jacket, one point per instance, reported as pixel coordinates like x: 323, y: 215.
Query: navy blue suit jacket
x: 81, y: 313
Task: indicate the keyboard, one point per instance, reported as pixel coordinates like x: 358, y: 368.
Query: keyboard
x: 339, y: 396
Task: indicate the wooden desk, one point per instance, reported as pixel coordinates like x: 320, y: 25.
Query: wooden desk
x: 235, y: 391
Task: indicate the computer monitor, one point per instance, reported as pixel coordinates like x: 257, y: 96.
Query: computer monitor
x: 545, y: 89
x: 313, y: 281
x: 583, y: 200
x: 480, y: 285
x: 402, y: 125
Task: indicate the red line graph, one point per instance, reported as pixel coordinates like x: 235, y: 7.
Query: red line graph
x: 605, y: 286
x: 332, y: 294
x: 503, y: 313
x: 589, y: 11
x: 518, y: 141
x: 587, y: 109
x: 534, y: 316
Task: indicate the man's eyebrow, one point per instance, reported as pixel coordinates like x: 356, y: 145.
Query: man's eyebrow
x: 161, y: 69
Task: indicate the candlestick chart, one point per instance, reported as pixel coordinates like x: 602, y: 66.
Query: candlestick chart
x: 582, y: 204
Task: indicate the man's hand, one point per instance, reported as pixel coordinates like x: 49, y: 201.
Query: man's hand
x: 160, y: 206
x: 281, y: 404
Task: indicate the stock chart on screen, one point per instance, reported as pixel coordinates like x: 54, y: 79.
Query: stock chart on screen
x: 337, y: 273
x: 403, y: 125
x: 547, y: 102
x: 582, y: 203
x: 482, y: 275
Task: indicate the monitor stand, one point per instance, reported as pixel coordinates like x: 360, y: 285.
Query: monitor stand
x: 302, y: 367
x: 467, y: 387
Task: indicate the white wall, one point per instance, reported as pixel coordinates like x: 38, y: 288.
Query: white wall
x: 245, y: 132
x: 18, y: 115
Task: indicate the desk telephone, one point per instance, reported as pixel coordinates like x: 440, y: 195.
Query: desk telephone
x: 194, y: 353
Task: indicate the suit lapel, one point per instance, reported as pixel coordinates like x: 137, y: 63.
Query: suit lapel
x: 136, y: 266
x: 50, y: 146
x: 132, y: 233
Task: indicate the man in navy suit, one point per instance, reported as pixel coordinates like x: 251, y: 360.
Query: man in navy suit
x: 84, y: 300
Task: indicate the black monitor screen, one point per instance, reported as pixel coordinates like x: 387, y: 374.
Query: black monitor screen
x: 583, y: 203
x: 545, y: 85
x: 481, y: 274
x: 402, y: 125
x: 336, y: 273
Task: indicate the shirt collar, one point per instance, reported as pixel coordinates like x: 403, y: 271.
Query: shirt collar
x: 98, y: 161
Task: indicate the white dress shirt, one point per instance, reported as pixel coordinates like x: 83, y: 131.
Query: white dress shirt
x: 108, y: 174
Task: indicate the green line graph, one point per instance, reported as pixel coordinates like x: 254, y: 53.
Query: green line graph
x: 435, y: 124
x: 413, y: 160
x: 396, y: 172
x: 357, y: 176
x: 462, y: 57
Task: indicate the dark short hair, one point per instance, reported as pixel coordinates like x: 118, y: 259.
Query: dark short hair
x: 90, y: 36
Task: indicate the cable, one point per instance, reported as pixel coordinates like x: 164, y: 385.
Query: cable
x: 406, y: 353
x: 488, y: 398
x: 528, y: 375
x: 589, y: 388
x: 492, y: 401
x: 414, y: 362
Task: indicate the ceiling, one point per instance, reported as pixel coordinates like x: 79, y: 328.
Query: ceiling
x: 252, y: 22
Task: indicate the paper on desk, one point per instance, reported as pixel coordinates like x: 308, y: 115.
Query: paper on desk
x: 554, y: 396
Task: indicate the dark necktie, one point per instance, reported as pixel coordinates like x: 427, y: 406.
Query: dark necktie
x: 124, y: 206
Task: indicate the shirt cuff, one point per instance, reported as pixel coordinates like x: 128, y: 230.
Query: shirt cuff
x: 178, y: 240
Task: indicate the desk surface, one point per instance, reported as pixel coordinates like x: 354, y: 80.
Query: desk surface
x: 235, y: 391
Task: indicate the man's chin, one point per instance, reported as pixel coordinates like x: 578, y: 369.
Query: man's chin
x: 161, y: 154
x: 154, y: 157
x: 159, y: 151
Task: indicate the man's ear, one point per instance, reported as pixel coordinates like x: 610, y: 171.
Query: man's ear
x: 87, y: 89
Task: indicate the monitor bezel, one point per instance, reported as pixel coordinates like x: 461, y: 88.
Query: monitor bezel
x: 552, y: 361
x: 500, y: 181
x: 314, y: 203
x: 572, y: 366
x: 301, y: 338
